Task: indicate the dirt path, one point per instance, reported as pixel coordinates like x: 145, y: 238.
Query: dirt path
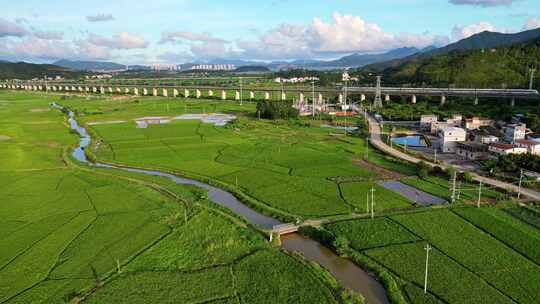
x: 383, y: 172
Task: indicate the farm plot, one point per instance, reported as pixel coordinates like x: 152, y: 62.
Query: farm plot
x: 364, y: 234
x: 511, y: 231
x: 355, y: 193
x: 496, y: 263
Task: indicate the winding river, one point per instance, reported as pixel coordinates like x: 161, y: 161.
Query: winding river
x: 349, y: 274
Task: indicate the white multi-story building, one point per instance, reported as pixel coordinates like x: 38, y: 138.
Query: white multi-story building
x: 449, y: 137
x: 214, y: 67
x: 515, y: 132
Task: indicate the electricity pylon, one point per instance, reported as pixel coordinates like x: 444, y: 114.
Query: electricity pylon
x: 377, y: 103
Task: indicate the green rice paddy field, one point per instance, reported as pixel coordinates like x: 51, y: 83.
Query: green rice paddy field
x: 66, y: 236
x: 479, y: 255
x: 302, y: 172
x: 69, y: 233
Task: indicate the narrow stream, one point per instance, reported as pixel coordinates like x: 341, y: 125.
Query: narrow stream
x: 349, y: 274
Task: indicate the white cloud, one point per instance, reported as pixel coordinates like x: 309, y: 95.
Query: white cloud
x: 48, y: 35
x: 120, y: 41
x: 532, y: 23
x: 8, y: 28
x: 462, y: 32
x: 483, y: 3
x: 181, y: 36
x: 344, y: 34
x: 100, y: 18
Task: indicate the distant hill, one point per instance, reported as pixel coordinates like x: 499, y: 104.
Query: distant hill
x: 24, y: 71
x: 252, y: 69
x: 483, y: 40
x: 90, y: 65
x: 494, y: 67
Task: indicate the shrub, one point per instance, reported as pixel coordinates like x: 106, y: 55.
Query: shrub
x: 276, y: 110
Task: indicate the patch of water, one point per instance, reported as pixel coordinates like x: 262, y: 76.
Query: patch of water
x: 415, y: 195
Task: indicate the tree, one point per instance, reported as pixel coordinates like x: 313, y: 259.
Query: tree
x: 467, y: 177
x: 276, y: 110
x: 422, y: 169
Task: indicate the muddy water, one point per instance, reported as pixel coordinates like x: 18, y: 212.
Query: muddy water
x: 349, y: 274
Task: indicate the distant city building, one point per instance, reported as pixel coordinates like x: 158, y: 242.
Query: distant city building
x: 449, y: 137
x: 346, y: 77
x: 214, y: 67
x: 455, y: 121
x: 295, y: 79
x: 487, y: 139
x: 165, y: 67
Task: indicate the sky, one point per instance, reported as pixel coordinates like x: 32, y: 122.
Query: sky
x: 178, y: 31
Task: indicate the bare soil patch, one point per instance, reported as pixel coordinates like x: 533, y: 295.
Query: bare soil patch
x: 38, y: 110
x: 385, y: 173
x: 4, y: 137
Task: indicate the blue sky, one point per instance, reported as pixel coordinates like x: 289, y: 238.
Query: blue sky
x: 167, y: 31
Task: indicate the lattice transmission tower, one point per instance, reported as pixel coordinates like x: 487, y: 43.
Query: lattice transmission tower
x: 377, y: 103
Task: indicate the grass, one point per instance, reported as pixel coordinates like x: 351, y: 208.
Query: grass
x: 356, y: 193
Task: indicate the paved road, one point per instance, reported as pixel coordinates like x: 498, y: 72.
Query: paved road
x: 375, y: 134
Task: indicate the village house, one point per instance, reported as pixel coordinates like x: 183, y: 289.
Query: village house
x: 533, y: 147
x: 506, y: 149
x: 449, y: 137
x: 515, y: 132
x: 476, y: 123
x: 472, y: 150
x: 427, y: 120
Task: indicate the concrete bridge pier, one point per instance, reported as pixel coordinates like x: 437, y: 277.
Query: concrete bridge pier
x: 154, y: 92
x: 320, y: 99
x: 443, y: 100
x: 165, y: 93
x: 513, y: 102
x: 73, y: 88
x: 198, y: 94
x: 136, y: 91
x: 340, y: 98
x: 413, y: 99
x: 118, y: 90
x: 251, y: 95
x: 476, y: 101
x: 223, y: 95
x: 110, y: 90
x: 362, y: 97
x: 175, y: 93
x: 145, y: 91
x: 266, y: 96
x: 40, y: 88
x: 237, y: 95
x: 80, y: 89
x: 210, y: 93
x: 126, y: 90
x: 86, y: 89
x: 94, y: 90
x: 101, y: 90
x: 283, y: 96
x: 387, y: 98
x: 301, y: 97
x: 186, y: 93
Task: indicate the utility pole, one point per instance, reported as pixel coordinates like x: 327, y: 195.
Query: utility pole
x: 367, y: 148
x: 454, y: 187
x: 372, y: 202
x: 313, y: 96
x: 427, y: 248
x: 377, y: 103
x: 520, y: 183
x: 479, y: 194
x: 531, y: 81
x: 241, y: 92
x: 367, y: 202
